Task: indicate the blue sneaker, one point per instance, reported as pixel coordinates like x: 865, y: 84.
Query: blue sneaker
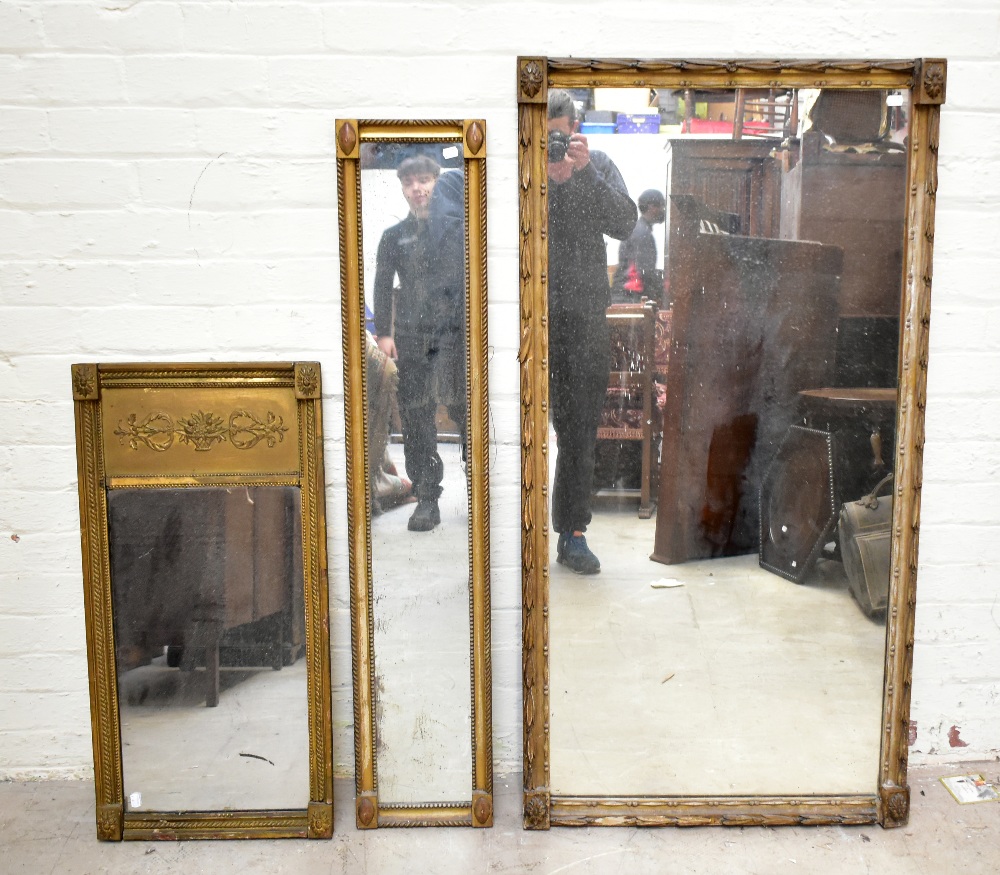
x: 573, y: 552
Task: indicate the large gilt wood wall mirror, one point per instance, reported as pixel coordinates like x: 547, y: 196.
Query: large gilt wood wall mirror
x: 205, y: 584
x: 725, y: 293
x: 412, y: 198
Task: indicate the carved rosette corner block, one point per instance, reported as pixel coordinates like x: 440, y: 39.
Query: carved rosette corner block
x: 367, y: 813
x: 109, y: 822
x: 320, y: 820
x: 933, y: 78
x: 307, y: 381
x: 536, y: 810
x: 347, y: 138
x: 531, y: 80
x: 475, y: 138
x: 85, y: 382
x: 895, y: 806
x: 482, y: 809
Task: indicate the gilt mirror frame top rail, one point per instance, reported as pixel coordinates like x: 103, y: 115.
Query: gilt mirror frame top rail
x: 224, y: 429
x: 888, y: 802
x: 467, y: 138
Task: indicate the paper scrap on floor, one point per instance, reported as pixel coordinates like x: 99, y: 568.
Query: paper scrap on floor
x: 971, y: 788
x: 666, y: 583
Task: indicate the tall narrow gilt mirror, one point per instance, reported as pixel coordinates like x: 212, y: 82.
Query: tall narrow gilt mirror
x: 204, y: 569
x: 412, y: 200
x: 725, y: 293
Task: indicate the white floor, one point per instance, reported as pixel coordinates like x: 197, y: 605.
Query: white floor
x: 251, y: 751
x: 422, y: 634
x: 47, y: 828
x: 735, y: 681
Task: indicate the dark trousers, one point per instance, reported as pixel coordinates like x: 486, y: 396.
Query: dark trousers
x: 431, y: 372
x: 579, y: 364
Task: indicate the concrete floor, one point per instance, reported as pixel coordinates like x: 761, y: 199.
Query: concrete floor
x: 48, y: 827
x: 716, y: 677
x: 421, y: 637
x: 734, y: 681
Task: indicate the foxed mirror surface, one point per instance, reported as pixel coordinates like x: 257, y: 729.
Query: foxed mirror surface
x: 207, y: 597
x: 778, y: 309
x: 413, y: 293
x: 204, y: 569
x: 718, y: 616
x: 413, y: 220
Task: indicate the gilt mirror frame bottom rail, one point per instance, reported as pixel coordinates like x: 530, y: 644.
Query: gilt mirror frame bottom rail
x: 888, y: 803
x: 468, y: 135
x: 102, y: 464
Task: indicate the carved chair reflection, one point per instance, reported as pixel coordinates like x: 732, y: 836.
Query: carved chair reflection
x: 630, y: 416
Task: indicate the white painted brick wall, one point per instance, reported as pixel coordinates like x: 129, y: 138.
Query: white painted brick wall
x: 168, y: 191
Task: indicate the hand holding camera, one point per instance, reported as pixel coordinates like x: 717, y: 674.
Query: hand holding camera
x: 567, y: 153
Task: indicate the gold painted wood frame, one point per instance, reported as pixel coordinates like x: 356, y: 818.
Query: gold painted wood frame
x: 468, y: 136
x: 888, y: 801
x: 147, y: 428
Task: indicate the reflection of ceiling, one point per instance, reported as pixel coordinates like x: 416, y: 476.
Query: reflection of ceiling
x: 387, y: 156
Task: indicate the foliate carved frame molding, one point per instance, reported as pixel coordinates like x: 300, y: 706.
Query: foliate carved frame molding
x: 471, y: 135
x: 91, y: 383
x: 888, y: 803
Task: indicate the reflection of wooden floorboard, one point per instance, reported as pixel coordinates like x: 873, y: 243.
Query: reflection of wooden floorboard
x: 738, y: 681
x: 420, y: 584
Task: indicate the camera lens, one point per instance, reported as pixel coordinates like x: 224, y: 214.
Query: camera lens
x: 558, y: 144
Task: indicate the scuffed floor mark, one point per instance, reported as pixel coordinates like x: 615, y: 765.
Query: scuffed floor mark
x: 911, y: 735
x: 953, y: 738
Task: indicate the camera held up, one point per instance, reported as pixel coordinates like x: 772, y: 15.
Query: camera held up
x: 558, y: 144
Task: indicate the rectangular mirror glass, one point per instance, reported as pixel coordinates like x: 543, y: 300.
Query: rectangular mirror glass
x: 715, y: 578
x: 204, y: 558
x: 413, y: 255
x: 206, y: 590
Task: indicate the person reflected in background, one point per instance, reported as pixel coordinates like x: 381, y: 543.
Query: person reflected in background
x: 420, y: 323
x: 587, y: 199
x: 637, y: 275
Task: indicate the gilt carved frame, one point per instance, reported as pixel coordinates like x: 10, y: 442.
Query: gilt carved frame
x: 470, y: 136
x: 163, y: 459
x: 888, y: 803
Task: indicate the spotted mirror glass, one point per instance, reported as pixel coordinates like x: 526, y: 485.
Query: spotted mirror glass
x: 201, y: 496
x: 412, y: 250
x: 723, y: 300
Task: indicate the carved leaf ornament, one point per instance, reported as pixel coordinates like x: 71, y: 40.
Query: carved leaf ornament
x: 158, y: 432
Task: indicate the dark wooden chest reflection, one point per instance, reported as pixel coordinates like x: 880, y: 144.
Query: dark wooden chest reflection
x: 206, y: 578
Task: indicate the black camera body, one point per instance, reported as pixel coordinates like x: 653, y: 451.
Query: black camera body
x: 558, y: 144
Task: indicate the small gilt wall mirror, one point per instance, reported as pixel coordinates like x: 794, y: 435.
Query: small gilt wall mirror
x: 725, y: 297
x: 412, y: 198
x: 205, y: 586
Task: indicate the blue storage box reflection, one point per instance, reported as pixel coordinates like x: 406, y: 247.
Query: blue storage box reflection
x: 638, y: 123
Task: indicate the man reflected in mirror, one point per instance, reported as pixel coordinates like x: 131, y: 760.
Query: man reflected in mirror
x: 637, y: 275
x: 587, y: 199
x: 421, y: 322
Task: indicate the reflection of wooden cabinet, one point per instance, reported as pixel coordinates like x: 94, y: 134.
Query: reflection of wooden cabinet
x: 754, y: 323
x: 211, y: 574
x: 264, y: 614
x: 854, y: 201
x: 735, y: 177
